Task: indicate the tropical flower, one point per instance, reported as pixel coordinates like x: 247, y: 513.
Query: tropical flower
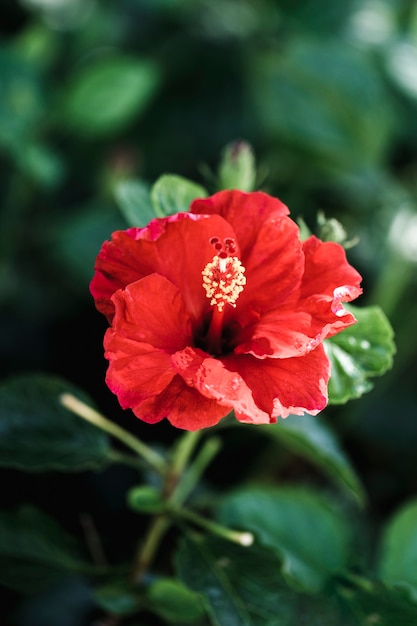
x: 221, y: 308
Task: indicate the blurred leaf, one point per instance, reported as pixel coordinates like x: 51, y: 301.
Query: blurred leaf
x: 108, y: 93
x: 34, y: 551
x: 22, y: 99
x: 171, y: 600
x: 75, y: 240
x: 401, y: 59
x: 398, y: 552
x: 237, y: 167
x: 358, y: 353
x: 134, y: 200
x: 120, y: 598
x: 243, y: 587
x: 379, y: 605
x: 310, y: 437
x: 325, y: 99
x: 174, y: 194
x: 39, y: 434
x: 42, y: 164
x: 301, y: 527
x: 38, y: 44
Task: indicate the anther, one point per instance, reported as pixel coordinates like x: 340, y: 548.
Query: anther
x: 223, y: 280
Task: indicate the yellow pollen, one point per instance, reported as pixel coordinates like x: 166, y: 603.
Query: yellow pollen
x: 223, y: 280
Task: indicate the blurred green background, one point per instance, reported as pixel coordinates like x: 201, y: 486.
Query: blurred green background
x: 93, y: 92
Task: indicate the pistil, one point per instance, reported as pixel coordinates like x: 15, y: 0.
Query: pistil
x: 223, y: 281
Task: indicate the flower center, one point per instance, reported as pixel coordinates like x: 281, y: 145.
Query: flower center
x: 223, y: 281
x: 224, y: 277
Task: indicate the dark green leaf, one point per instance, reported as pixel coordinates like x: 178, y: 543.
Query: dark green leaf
x: 38, y: 434
x: 379, y: 605
x: 34, y: 551
x: 301, y: 527
x: 174, y: 194
x: 106, y: 94
x: 134, y: 200
x: 237, y: 167
x: 244, y: 587
x: 175, y: 603
x: 358, y: 353
x: 398, y: 554
x: 311, y: 437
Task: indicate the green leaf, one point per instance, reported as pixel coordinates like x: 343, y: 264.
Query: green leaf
x: 322, y: 99
x: 301, y: 527
x: 34, y: 551
x: 310, y: 437
x: 244, y: 587
x: 358, y: 353
x: 398, y: 552
x: 174, y: 194
x: 237, y: 167
x: 134, y: 200
x: 38, y: 434
x: 171, y: 600
x: 108, y: 93
x: 216, y: 568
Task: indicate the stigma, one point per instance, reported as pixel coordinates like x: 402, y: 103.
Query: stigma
x: 223, y: 277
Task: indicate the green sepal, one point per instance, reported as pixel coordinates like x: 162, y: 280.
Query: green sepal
x: 145, y: 499
x: 134, y: 201
x: 117, y: 597
x: 174, y: 194
x: 237, y: 167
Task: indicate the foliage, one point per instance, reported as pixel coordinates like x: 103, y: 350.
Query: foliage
x: 112, y: 113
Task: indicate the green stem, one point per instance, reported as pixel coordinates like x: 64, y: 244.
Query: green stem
x: 126, y: 459
x: 242, y: 538
x: 81, y: 409
x: 156, y: 531
x: 180, y: 458
x: 191, y: 477
x: 185, y: 448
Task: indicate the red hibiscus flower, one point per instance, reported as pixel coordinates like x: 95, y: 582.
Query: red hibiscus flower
x: 221, y: 308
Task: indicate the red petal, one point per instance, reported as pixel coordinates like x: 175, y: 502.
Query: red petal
x: 213, y: 380
x: 146, y: 329
x: 282, y: 387
x: 328, y: 281
x: 278, y: 333
x: 176, y: 247
x: 183, y: 406
x: 244, y: 211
